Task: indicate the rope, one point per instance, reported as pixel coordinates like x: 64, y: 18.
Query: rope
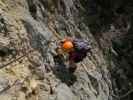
x: 55, y: 33
x: 2, y: 66
x: 85, y: 68
x: 60, y: 38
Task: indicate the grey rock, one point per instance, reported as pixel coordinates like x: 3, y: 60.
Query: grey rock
x: 67, y: 18
x: 64, y: 93
x: 4, y: 83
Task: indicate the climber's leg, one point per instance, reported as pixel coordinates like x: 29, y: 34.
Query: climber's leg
x: 72, y: 66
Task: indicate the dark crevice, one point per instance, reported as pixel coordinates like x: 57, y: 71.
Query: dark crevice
x: 32, y: 8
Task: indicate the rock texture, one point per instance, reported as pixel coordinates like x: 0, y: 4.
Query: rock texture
x: 30, y: 31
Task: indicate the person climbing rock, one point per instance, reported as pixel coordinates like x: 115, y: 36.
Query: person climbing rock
x: 77, y: 50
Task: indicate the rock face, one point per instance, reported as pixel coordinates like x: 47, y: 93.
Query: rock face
x: 30, y: 31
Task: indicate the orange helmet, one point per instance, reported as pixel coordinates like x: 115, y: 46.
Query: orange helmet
x: 67, y: 45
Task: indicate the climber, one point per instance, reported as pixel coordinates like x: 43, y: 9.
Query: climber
x: 77, y: 50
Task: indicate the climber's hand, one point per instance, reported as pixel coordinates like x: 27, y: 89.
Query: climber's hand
x: 59, y: 51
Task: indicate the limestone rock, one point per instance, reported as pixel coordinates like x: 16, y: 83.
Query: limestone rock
x: 64, y: 93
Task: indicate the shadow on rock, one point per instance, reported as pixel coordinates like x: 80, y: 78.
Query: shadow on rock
x: 61, y: 71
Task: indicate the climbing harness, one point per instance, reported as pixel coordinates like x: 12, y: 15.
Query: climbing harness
x: 60, y: 38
